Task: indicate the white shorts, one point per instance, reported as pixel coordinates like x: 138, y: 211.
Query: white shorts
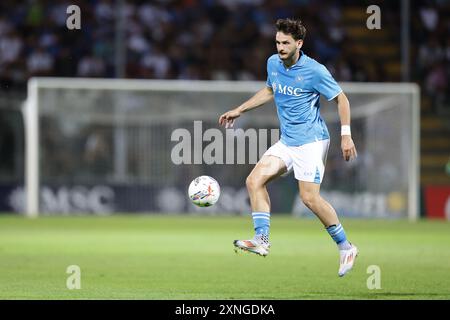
x: 307, y: 161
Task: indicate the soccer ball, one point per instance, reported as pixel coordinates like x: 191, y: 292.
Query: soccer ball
x: 204, y: 191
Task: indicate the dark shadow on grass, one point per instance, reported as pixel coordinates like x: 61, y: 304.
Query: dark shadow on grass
x: 399, y: 294
x: 357, y: 296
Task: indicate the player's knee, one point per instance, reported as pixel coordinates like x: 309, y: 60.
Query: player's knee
x: 310, y: 199
x: 252, y: 182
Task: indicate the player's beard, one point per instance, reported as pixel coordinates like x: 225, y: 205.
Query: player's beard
x: 289, y: 57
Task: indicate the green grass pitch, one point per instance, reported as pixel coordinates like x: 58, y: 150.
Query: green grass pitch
x: 192, y: 257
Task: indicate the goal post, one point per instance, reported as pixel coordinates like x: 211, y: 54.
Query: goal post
x: 108, y: 145
x: 31, y: 124
x: 412, y: 91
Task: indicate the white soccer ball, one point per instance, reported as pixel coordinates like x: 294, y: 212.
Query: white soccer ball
x: 204, y: 191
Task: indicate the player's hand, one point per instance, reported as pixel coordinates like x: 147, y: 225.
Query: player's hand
x: 348, y: 148
x: 227, y: 119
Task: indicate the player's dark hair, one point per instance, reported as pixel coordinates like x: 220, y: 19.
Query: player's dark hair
x: 293, y: 27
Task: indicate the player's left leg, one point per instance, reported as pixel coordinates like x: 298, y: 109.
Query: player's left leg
x: 309, y: 167
x: 309, y: 193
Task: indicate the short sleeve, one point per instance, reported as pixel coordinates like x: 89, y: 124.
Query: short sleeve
x: 325, y: 84
x: 268, y: 81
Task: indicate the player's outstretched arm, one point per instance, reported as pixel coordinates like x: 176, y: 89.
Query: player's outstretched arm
x: 261, y: 97
x: 347, y: 145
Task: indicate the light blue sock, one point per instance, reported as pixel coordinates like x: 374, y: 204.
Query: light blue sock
x: 261, y: 222
x: 338, y: 234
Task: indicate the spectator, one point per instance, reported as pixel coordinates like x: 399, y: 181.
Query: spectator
x: 40, y: 63
x: 10, y: 47
x: 156, y: 62
x: 91, y: 66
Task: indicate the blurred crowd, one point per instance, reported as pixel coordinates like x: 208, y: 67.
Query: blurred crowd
x: 205, y: 39
x: 431, y: 43
x: 185, y: 39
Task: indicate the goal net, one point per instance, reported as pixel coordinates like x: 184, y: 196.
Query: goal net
x: 107, y: 145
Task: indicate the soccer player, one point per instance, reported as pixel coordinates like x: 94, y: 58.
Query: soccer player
x: 296, y: 82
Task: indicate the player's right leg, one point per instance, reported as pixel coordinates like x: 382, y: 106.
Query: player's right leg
x: 268, y: 168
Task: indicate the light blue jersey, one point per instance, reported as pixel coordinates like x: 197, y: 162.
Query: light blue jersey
x: 296, y: 92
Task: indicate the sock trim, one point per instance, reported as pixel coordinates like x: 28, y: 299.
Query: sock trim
x: 261, y: 213
x: 337, y: 233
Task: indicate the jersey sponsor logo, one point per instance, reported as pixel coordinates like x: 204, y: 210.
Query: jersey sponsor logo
x: 287, y: 90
